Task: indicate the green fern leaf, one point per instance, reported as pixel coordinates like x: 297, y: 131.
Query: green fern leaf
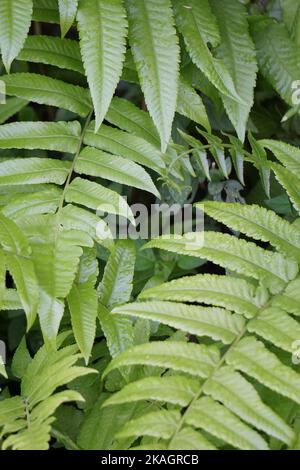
x: 154, y: 46
x: 97, y: 197
x: 190, y: 104
x: 83, y: 303
x: 116, y: 285
x: 238, y: 395
x: 189, y: 439
x: 126, y: 145
x: 216, y: 323
x: 18, y: 260
x: 102, y: 28
x: 245, y: 258
x: 238, y: 54
x: 10, y: 108
x: 67, y: 14
x: 176, y: 390
x: 160, y: 423
x: 98, y: 163
x: 229, y: 292
x: 287, y: 154
x: 276, y: 326
x: 220, y: 422
x: 63, y: 53
x: 252, y: 357
x: 91, y: 435
x: 46, y: 90
x: 130, y: 118
x: 33, y: 171
x: 277, y: 55
x: 192, y: 358
x: 198, y: 26
x: 15, y: 19
x: 59, y: 136
x: 258, y: 223
x: 290, y: 182
x: 41, y: 202
x: 45, y: 11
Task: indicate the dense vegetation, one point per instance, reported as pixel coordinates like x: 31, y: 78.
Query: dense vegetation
x: 175, y: 342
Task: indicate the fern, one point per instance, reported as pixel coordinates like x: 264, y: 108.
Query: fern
x: 109, y: 103
x: 221, y: 404
x: 25, y: 420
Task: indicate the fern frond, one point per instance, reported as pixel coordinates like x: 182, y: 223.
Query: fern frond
x: 50, y: 91
x: 50, y: 50
x: 112, y: 167
x: 25, y: 420
x: 126, y: 145
x: 194, y: 359
x: 67, y: 14
x: 216, y: 323
x: 97, y: 197
x: 229, y: 292
x: 198, y: 26
x: 238, y: 54
x: 46, y: 11
x: 176, y: 390
x: 277, y: 55
x: 154, y: 46
x: 15, y: 19
x: 258, y: 223
x: 102, y: 29
x: 243, y: 257
x: 59, y: 136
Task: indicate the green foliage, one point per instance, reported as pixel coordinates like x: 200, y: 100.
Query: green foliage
x: 185, y: 341
x: 25, y: 420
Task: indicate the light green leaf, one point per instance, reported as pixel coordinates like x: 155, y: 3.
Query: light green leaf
x: 155, y: 50
x: 102, y: 29
x: 239, y: 396
x: 50, y: 91
x: 238, y: 54
x: 198, y: 26
x: 178, y: 390
x: 63, y: 53
x: 83, y: 303
x: 10, y: 108
x: 276, y: 326
x: 216, y: 323
x: 97, y: 197
x: 67, y: 14
x: 224, y: 291
x: 190, y: 104
x: 15, y: 19
x: 95, y: 162
x: 214, y: 418
x: 258, y: 223
x: 130, y: 118
x: 287, y: 154
x: 195, y: 359
x: 161, y: 424
x: 189, y: 439
x: 290, y: 182
x: 126, y: 145
x: 33, y: 171
x: 26, y: 205
x: 238, y: 255
x: 116, y: 285
x: 59, y: 136
x: 19, y: 263
x: 277, y: 54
